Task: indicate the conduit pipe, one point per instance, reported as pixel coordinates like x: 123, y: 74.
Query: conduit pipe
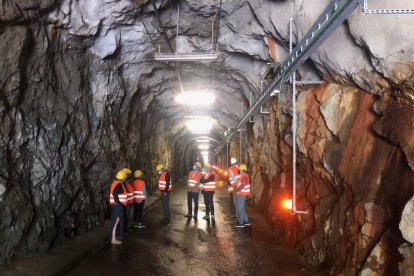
x: 293, y: 211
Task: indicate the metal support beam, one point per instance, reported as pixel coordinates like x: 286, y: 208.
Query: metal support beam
x: 336, y: 12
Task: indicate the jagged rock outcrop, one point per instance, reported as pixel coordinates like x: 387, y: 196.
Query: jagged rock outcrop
x: 81, y: 97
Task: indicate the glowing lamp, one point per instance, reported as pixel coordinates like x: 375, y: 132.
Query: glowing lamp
x: 287, y: 203
x: 200, y: 125
x: 195, y: 98
x: 204, y: 146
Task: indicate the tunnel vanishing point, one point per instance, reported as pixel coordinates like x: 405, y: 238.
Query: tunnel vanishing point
x: 316, y: 97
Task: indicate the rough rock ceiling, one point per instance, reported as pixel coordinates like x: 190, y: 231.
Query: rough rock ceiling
x: 125, y: 34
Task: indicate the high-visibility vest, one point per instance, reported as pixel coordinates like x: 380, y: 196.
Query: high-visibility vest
x: 211, y: 185
x: 162, y: 183
x: 246, y: 189
x: 138, y: 193
x: 192, y: 180
x: 123, y: 198
x: 130, y: 193
x: 235, y: 171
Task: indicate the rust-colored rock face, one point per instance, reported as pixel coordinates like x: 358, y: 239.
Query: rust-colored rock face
x: 354, y: 176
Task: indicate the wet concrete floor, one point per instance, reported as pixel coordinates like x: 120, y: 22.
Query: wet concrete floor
x: 196, y: 247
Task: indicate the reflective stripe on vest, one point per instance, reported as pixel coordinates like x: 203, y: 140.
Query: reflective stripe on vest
x: 246, y: 189
x: 123, y: 198
x: 235, y: 172
x: 192, y: 180
x: 209, y: 186
x: 130, y: 193
x: 138, y: 193
x: 162, y: 183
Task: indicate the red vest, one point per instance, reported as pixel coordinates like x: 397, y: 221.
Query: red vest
x: 123, y: 198
x: 138, y: 193
x: 246, y: 190
x: 162, y: 183
x: 209, y: 186
x: 233, y: 184
x: 192, y: 180
x: 130, y: 193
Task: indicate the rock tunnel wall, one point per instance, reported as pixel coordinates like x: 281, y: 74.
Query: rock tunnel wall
x: 67, y: 124
x: 353, y: 175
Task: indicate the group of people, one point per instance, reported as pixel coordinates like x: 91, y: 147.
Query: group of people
x: 204, y: 182
x: 126, y: 198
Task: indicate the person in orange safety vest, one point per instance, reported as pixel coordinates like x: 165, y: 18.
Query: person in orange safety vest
x: 130, y: 199
x: 165, y: 187
x: 193, y: 188
x: 118, y: 199
x: 233, y: 179
x: 243, y: 191
x: 140, y: 195
x: 208, y: 186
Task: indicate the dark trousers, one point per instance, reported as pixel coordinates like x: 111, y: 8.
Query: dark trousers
x: 190, y: 197
x: 138, y: 210
x: 208, y: 201
x: 165, y: 200
x: 118, y: 212
x: 127, y: 215
x: 232, y: 206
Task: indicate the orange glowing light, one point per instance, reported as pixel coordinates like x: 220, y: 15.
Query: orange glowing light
x: 287, y: 203
x: 221, y: 171
x: 225, y: 173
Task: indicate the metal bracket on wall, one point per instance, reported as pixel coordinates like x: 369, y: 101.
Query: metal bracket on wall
x: 365, y: 10
x: 309, y: 82
x: 262, y: 111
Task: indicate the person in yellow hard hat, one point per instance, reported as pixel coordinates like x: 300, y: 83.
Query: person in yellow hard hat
x: 193, y: 181
x: 118, y: 199
x: 208, y: 185
x: 243, y: 191
x: 234, y: 176
x: 130, y: 192
x: 165, y: 187
x: 140, y: 195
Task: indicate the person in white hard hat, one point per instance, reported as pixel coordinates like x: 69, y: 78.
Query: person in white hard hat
x: 234, y: 179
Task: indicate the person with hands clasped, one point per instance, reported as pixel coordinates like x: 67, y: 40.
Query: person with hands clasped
x: 165, y: 187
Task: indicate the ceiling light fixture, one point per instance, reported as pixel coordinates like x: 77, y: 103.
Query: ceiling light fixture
x: 201, y: 125
x: 195, y: 98
x: 204, y: 146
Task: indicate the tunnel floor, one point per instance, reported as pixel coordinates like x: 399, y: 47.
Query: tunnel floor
x: 196, y: 247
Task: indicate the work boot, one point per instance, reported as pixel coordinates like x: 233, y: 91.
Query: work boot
x: 187, y: 216
x: 166, y: 220
x: 206, y: 217
x: 195, y: 216
x: 212, y: 216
